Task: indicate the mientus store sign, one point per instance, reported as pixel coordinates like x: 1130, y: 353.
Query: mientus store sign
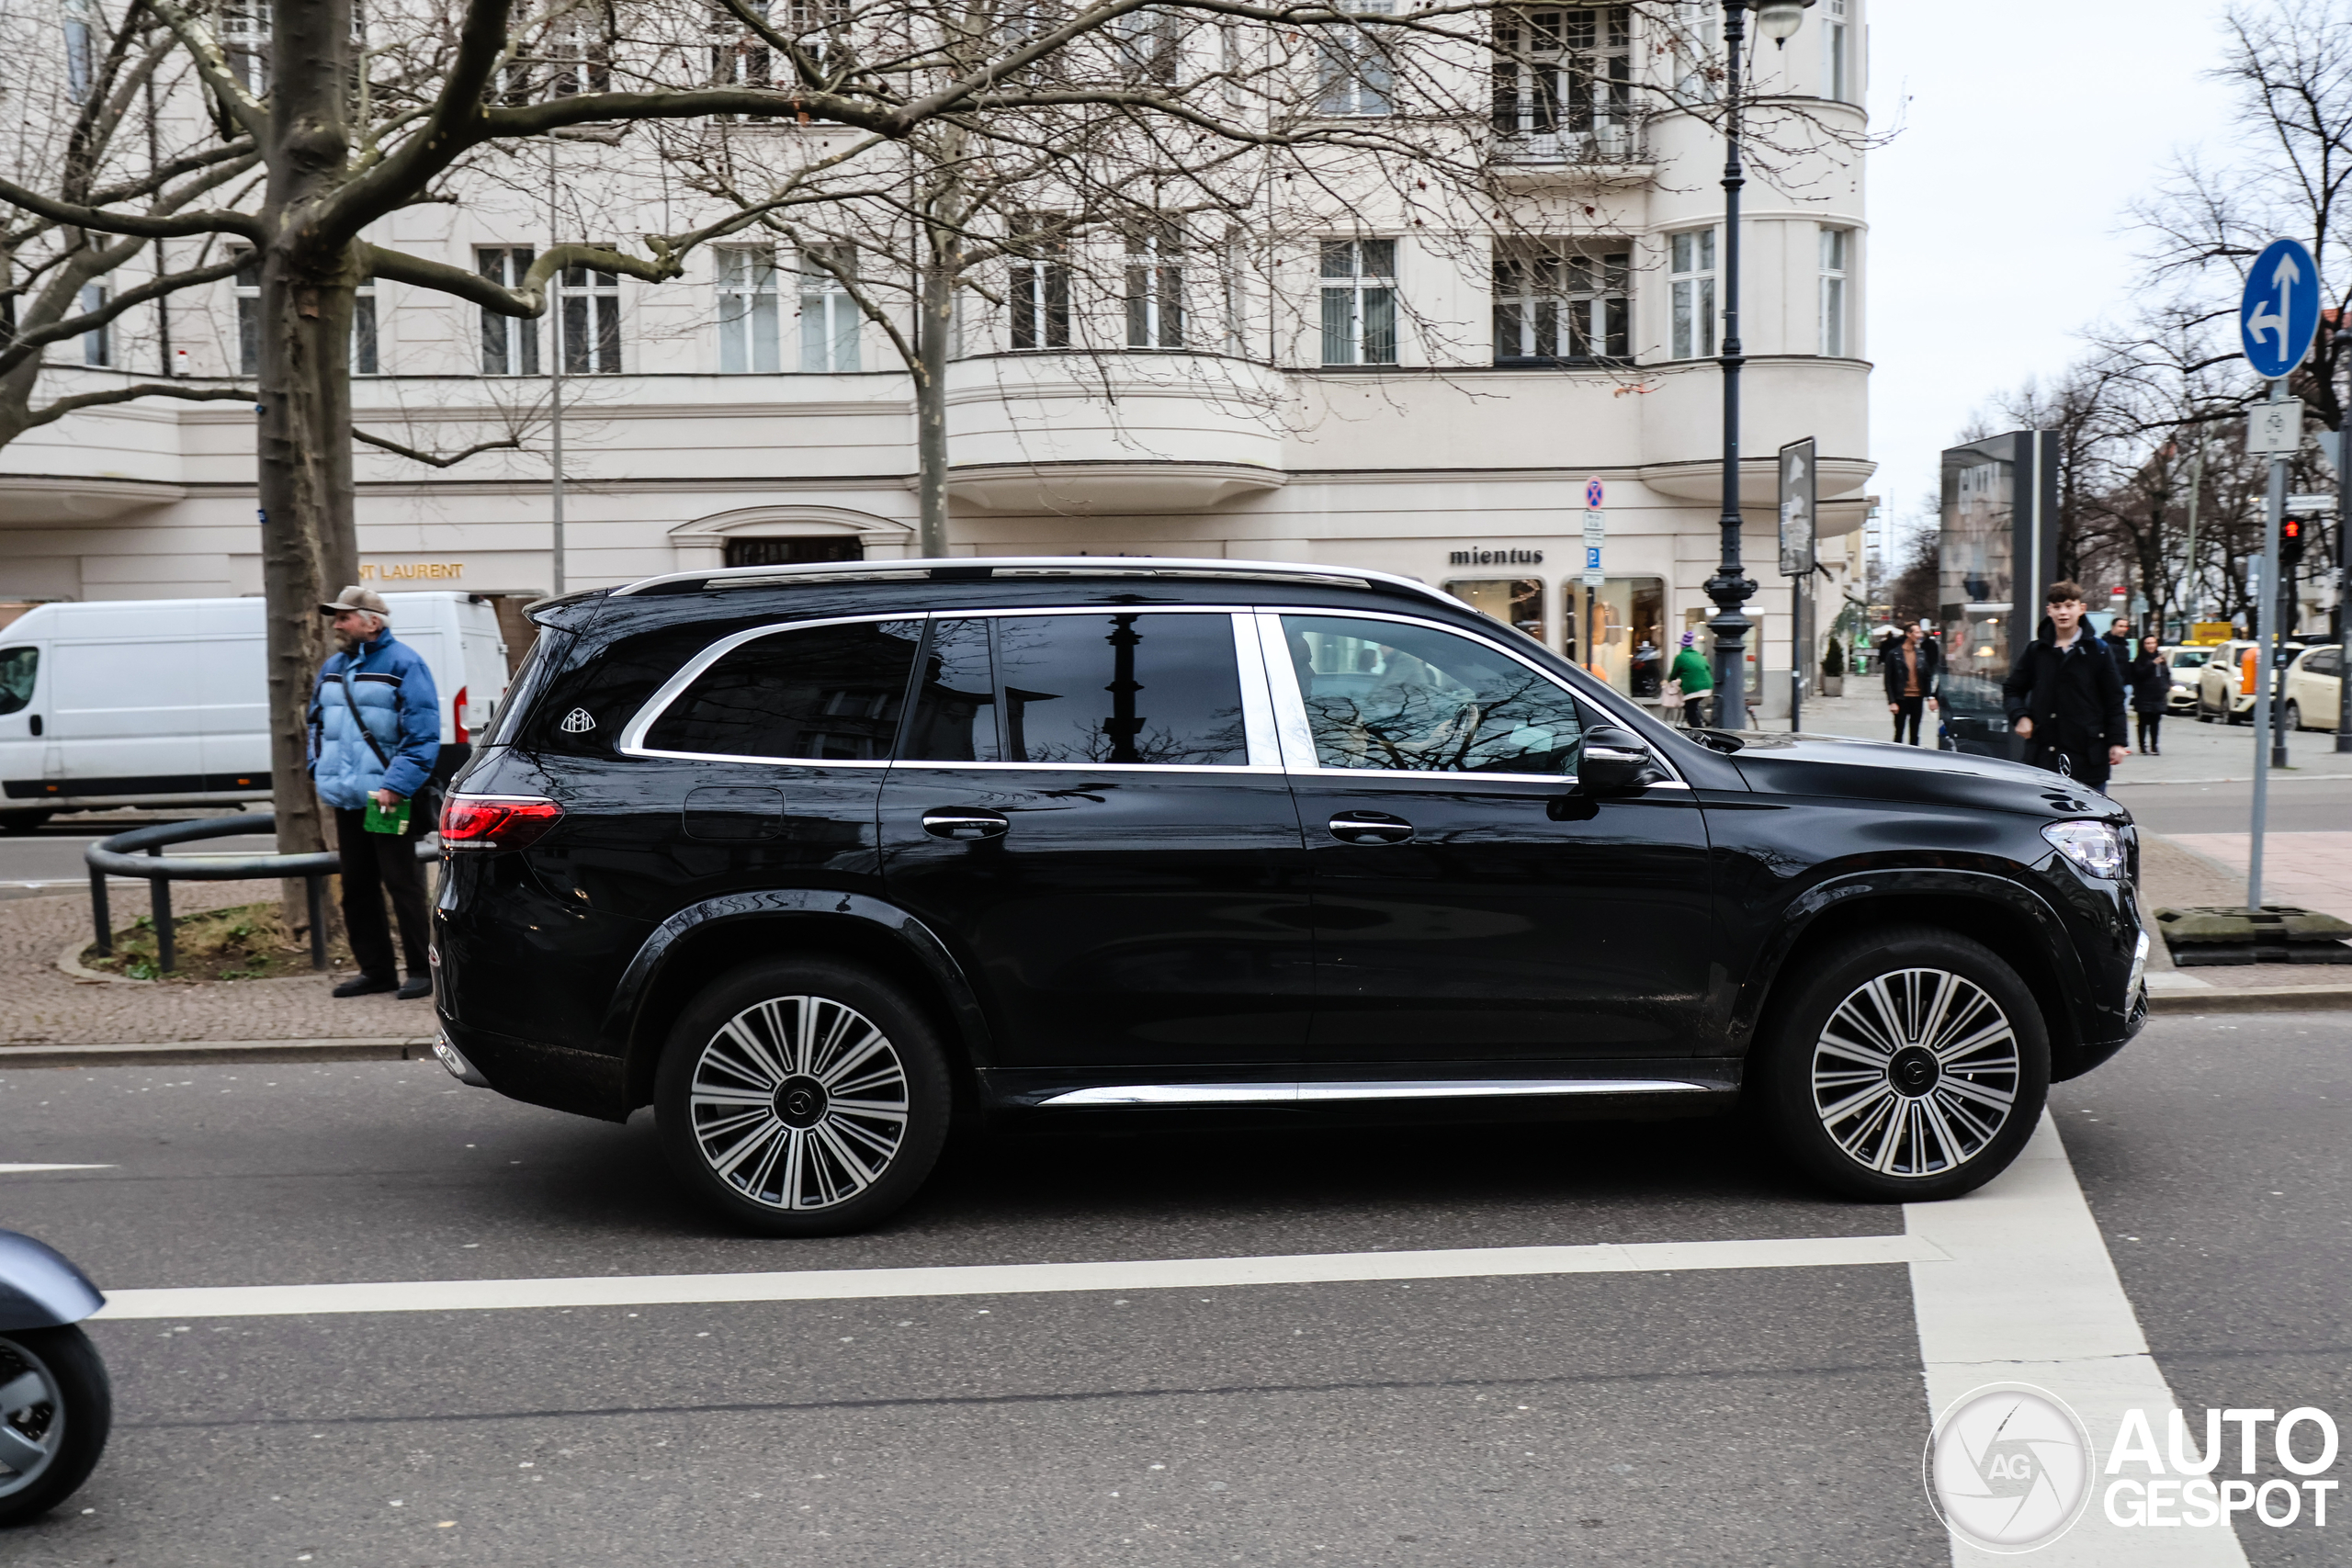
x: 1494, y: 557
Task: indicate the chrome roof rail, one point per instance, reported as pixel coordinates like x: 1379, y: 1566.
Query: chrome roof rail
x: 1015, y: 567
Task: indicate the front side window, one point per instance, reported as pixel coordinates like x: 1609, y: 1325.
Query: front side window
x: 591, y: 302
x: 955, y: 716
x: 821, y: 695
x: 829, y: 314
x: 510, y: 344
x: 747, y: 312
x: 1690, y: 271
x: 1550, y: 305
x: 1353, y: 74
x: 1387, y: 696
x: 1837, y: 246
x: 17, y: 667
x: 1359, y: 301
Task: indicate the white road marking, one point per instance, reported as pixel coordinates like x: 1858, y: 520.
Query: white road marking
x: 2026, y: 1292
x: 1014, y: 1278
x: 21, y: 1169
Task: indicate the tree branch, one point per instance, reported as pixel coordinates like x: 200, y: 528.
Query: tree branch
x: 32, y: 340
x: 179, y: 226
x: 81, y: 401
x: 449, y: 462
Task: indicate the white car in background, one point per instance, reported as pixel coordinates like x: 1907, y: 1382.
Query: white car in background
x: 2221, y: 692
x: 2186, y: 664
x: 2314, y: 689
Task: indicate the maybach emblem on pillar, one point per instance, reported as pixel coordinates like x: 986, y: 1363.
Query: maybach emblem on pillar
x: 579, y: 721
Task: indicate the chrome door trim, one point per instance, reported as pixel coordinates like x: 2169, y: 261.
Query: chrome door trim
x: 1337, y: 1090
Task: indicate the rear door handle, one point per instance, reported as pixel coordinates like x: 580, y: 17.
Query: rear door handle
x: 1370, y: 828
x: 962, y: 822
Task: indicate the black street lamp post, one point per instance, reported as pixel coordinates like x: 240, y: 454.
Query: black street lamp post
x: 1731, y: 587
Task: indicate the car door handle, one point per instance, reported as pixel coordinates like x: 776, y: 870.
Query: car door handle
x: 1370, y: 828
x: 961, y: 822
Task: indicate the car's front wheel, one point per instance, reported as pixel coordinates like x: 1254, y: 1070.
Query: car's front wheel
x: 803, y: 1098
x: 2293, y: 720
x: 1905, y: 1067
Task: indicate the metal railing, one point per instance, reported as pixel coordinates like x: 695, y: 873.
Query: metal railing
x: 140, y: 853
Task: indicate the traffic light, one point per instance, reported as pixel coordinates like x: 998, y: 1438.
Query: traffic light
x: 2290, y: 541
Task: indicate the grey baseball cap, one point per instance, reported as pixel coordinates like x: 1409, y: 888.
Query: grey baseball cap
x: 357, y: 598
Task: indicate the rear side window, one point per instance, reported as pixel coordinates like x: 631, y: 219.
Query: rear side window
x: 1385, y: 696
x: 1078, y: 689
x: 822, y: 694
x: 17, y: 667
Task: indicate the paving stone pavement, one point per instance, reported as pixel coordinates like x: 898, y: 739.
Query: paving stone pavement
x: 41, y: 1006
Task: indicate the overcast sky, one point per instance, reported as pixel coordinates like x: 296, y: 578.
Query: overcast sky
x: 1998, y: 221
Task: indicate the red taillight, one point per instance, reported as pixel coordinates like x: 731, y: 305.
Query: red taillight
x: 492, y: 822
x: 457, y: 718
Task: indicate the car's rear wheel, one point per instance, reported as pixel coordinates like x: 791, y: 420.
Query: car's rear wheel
x: 56, y: 1407
x: 2293, y: 720
x: 803, y: 1098
x: 1905, y: 1067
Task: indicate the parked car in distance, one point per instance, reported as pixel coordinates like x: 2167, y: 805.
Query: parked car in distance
x: 2222, y: 689
x: 165, y: 702
x: 2314, y: 689
x: 817, y: 858
x: 2186, y: 664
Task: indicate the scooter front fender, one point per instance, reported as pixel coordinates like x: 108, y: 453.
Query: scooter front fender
x: 39, y: 1289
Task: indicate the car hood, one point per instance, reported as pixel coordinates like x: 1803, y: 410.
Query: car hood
x: 1835, y: 766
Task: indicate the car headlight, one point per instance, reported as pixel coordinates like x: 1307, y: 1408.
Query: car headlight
x: 2094, y: 846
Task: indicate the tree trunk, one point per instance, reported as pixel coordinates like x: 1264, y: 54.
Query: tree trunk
x: 938, y: 321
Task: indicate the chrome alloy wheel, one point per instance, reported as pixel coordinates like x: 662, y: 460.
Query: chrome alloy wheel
x: 799, y: 1103
x: 32, y: 1418
x: 1915, y: 1073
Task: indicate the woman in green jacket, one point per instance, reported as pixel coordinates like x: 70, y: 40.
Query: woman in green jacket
x: 1697, y: 681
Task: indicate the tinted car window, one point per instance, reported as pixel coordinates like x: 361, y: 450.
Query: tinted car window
x: 955, y: 716
x: 1123, y: 688
x: 826, y: 694
x: 1385, y: 696
x: 17, y: 666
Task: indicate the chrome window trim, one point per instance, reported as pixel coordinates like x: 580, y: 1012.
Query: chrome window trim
x: 1313, y: 1092
x: 1257, y: 707
x: 1297, y: 736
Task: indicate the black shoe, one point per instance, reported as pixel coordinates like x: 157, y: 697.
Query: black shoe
x: 366, y: 986
x: 420, y: 987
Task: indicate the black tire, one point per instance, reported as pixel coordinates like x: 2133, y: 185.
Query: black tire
x: 2293, y: 720
x: 23, y: 821
x: 68, y: 1420
x: 803, y: 1165
x: 1945, y: 1118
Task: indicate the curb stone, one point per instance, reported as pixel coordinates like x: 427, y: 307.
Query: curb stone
x: 199, y: 1053
x: 2271, y: 999
x: 69, y: 963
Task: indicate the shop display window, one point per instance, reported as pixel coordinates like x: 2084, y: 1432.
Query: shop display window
x: 1514, y: 601
x: 1618, y: 632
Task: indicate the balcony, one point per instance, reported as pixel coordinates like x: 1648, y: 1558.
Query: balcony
x: 1605, y: 155
x: 1111, y: 433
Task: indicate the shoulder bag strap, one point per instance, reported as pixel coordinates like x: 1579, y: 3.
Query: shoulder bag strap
x: 353, y: 703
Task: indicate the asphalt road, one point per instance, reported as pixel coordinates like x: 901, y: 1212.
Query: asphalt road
x: 2296, y: 805
x: 1759, y: 1415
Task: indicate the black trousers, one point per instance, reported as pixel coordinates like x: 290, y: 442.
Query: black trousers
x: 1906, y: 712
x: 2148, y: 724
x: 1694, y: 711
x: 377, y: 866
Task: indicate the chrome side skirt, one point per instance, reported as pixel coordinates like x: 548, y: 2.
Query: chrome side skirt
x: 1328, y: 1093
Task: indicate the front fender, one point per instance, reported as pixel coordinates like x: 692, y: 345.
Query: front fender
x: 39, y: 1288
x: 622, y: 1032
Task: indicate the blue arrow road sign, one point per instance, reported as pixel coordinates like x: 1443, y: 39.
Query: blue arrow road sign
x: 2278, y: 315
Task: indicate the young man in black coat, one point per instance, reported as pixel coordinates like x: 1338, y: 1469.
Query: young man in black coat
x: 2064, y: 696
x: 1911, y: 668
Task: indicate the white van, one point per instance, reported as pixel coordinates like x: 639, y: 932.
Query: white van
x: 165, y: 702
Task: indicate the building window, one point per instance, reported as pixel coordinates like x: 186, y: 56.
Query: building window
x: 248, y: 286
x: 793, y: 552
x: 829, y: 318
x: 1514, y: 601
x: 363, y: 329
x: 739, y: 56
x: 1837, y: 52
x: 81, y: 47
x: 1566, y: 75
x: 98, y: 343
x: 1038, y: 293
x: 1155, y: 287
x: 1836, y: 249
x: 244, y: 40
x: 1359, y: 301
x: 747, y: 312
x: 591, y: 302
x: 1553, y: 304
x: 572, y: 54
x: 1147, y: 44
x: 1691, y: 273
x: 510, y: 344
x: 1697, y: 36
x: 1353, y: 73
x: 1618, y: 632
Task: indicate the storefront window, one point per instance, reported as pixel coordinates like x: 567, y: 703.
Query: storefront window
x: 1618, y: 632
x: 1695, y: 623
x: 1513, y: 601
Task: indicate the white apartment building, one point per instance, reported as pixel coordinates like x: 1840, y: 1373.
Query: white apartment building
x: 1432, y: 409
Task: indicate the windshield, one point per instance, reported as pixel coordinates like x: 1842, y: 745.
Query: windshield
x: 2190, y: 658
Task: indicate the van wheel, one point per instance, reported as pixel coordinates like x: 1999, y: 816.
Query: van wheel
x: 56, y: 1408
x: 23, y: 821
x: 1906, y: 1067
x: 802, y: 1097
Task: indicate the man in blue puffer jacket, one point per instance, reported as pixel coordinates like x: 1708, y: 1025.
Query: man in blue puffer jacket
x: 375, y: 733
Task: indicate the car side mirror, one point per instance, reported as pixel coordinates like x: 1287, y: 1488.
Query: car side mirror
x: 1612, y: 760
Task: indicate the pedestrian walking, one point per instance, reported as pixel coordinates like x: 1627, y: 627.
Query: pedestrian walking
x: 2119, y: 644
x: 2065, y: 695
x: 1691, y: 673
x: 2150, y: 678
x: 375, y: 735
x: 1912, y: 670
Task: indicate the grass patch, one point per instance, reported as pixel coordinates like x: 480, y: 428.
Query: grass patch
x: 244, y: 942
